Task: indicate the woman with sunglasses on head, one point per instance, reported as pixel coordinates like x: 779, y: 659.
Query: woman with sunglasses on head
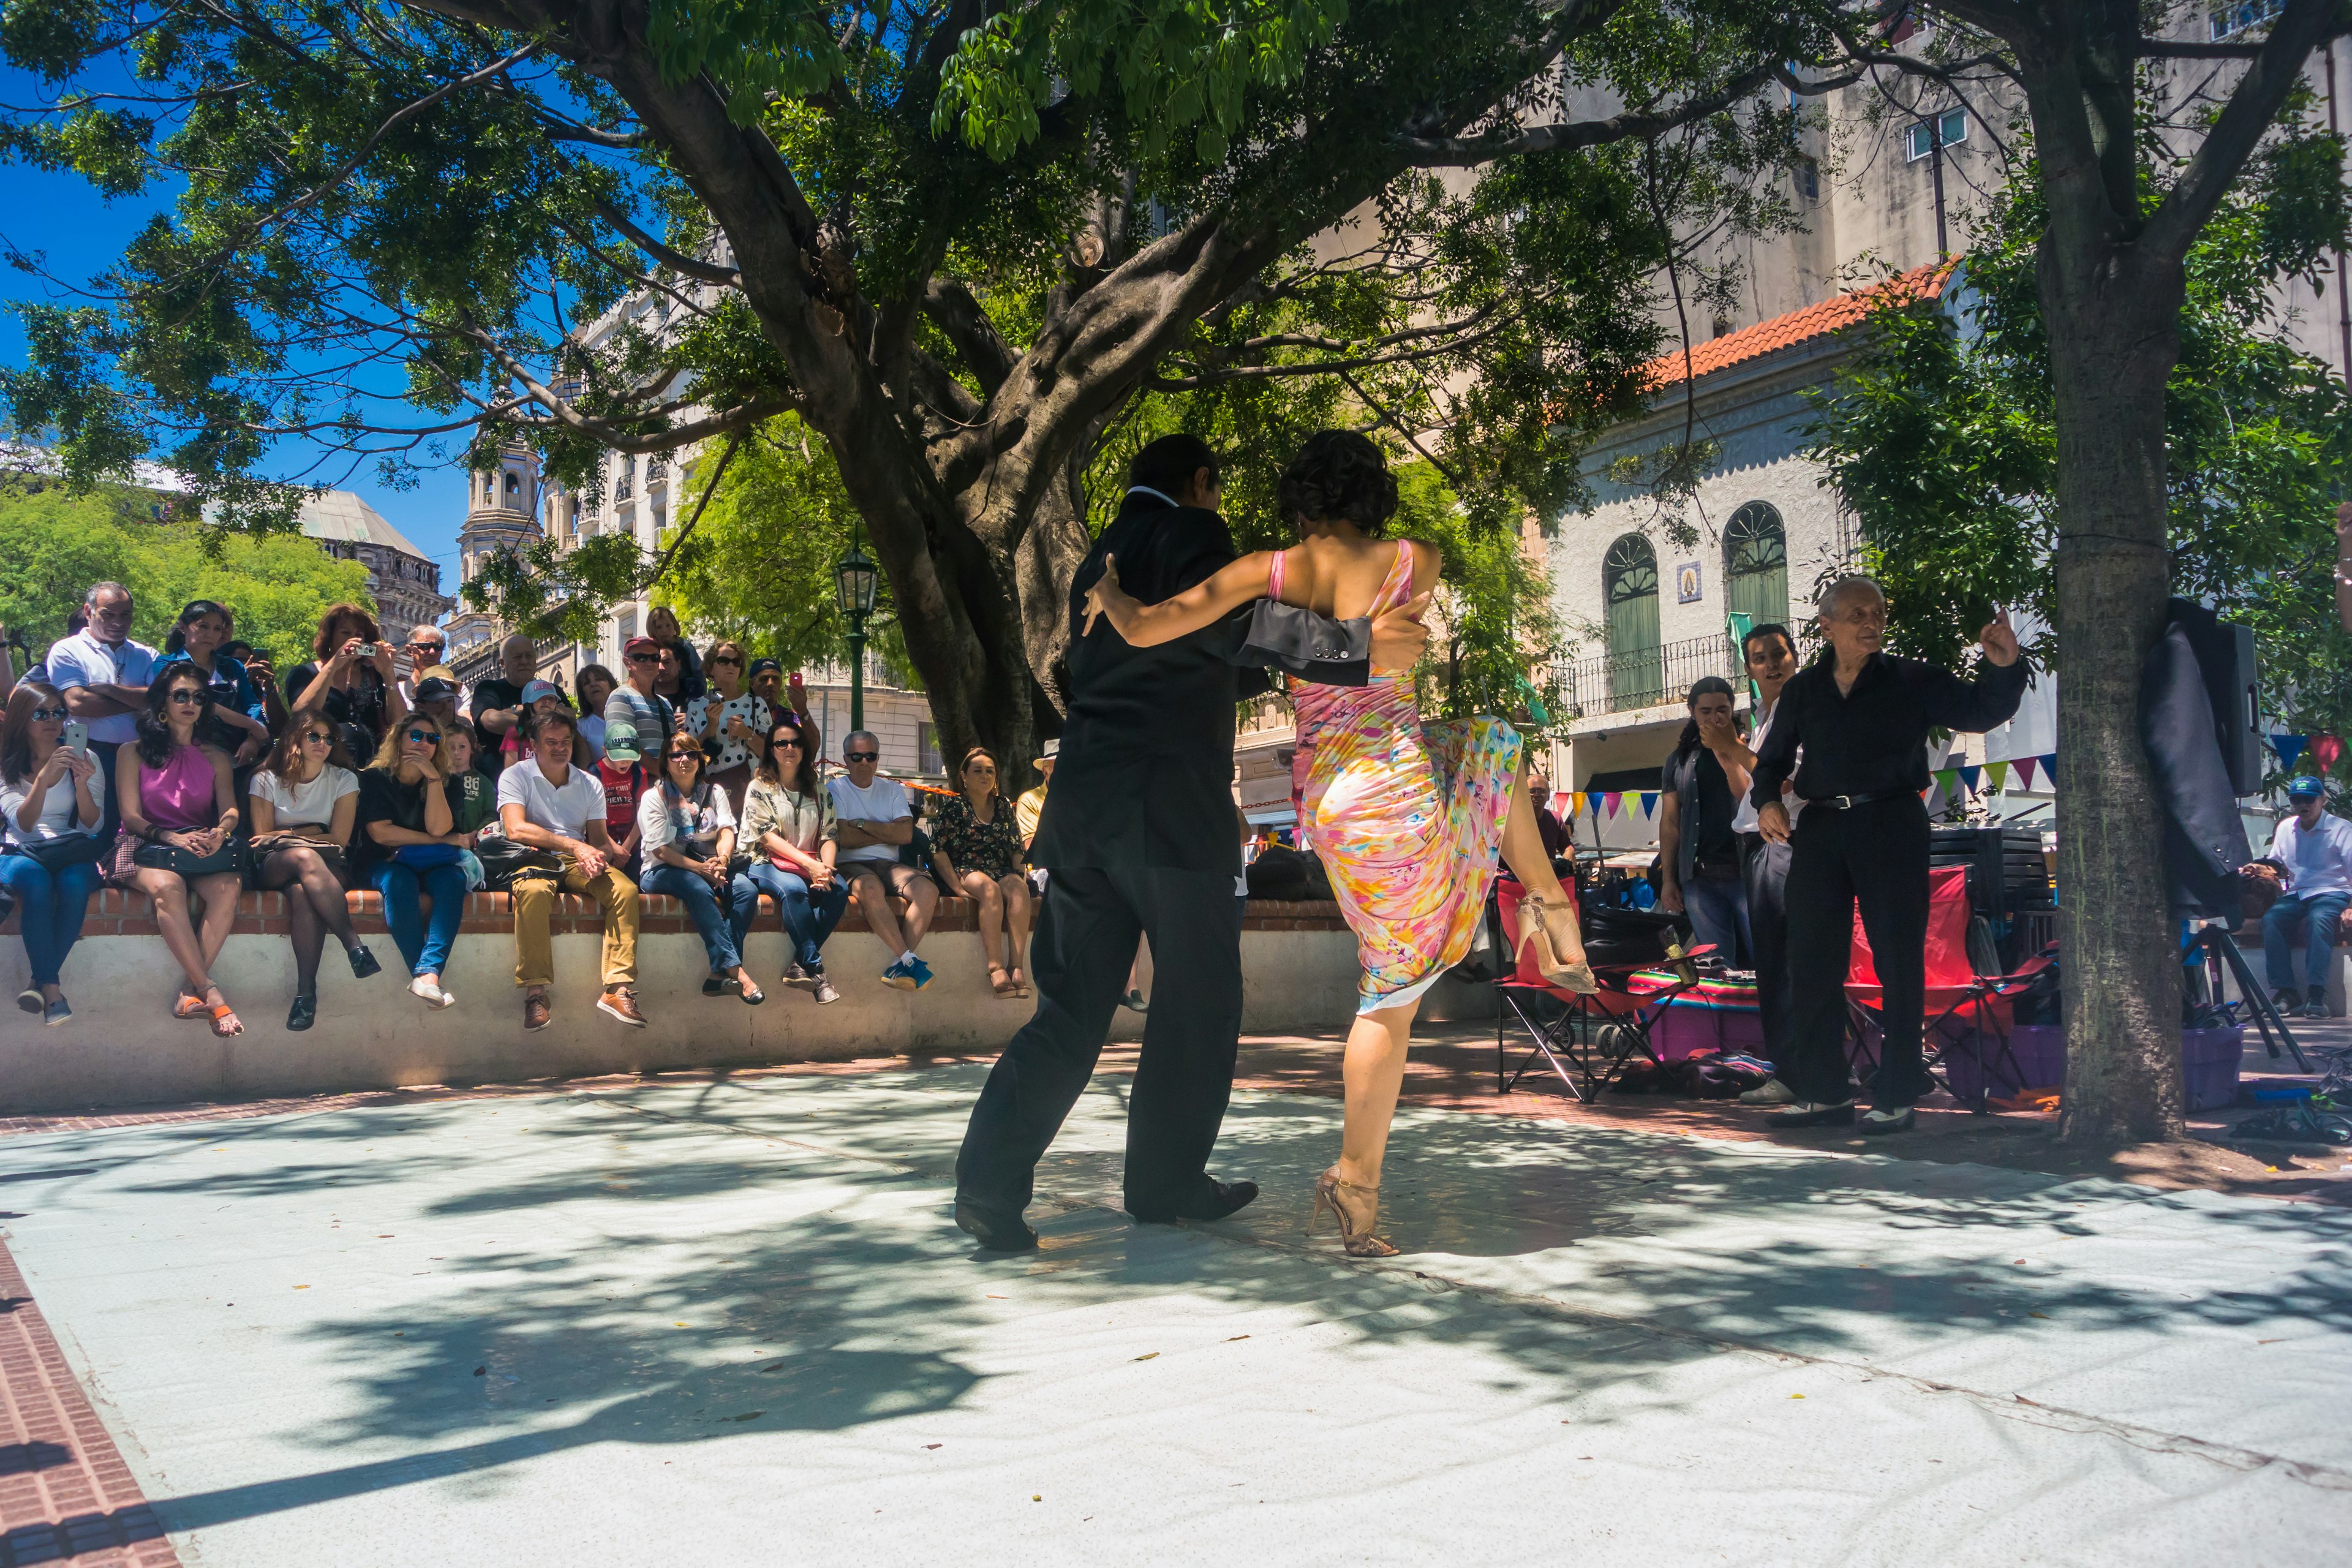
x: 732, y: 718
x: 976, y: 844
x: 304, y: 803
x: 49, y: 816
x: 788, y: 821
x: 240, y: 722
x: 689, y: 832
x: 409, y: 845
x: 177, y: 805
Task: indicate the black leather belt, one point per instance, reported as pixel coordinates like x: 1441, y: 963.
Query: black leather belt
x: 1847, y: 801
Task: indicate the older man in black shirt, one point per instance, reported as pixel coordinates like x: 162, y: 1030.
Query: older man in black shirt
x: 1861, y: 717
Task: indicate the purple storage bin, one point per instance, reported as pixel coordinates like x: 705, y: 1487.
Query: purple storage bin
x: 2208, y: 1067
x: 2039, y: 1050
x: 1687, y: 1026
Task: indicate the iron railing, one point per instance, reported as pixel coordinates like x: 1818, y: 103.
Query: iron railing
x: 1642, y: 676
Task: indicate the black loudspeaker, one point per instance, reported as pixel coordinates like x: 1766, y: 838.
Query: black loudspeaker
x: 2225, y: 656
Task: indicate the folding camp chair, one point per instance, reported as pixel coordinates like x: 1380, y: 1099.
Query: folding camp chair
x: 1586, y: 1039
x: 1968, y: 1012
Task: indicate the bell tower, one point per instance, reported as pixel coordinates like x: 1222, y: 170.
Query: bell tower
x: 501, y: 510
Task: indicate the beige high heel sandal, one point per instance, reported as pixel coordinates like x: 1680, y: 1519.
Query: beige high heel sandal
x: 1534, y: 926
x: 1359, y: 1241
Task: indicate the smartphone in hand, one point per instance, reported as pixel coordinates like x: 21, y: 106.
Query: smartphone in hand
x: 74, y: 738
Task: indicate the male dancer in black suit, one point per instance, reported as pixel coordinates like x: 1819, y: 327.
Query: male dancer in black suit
x: 1137, y: 839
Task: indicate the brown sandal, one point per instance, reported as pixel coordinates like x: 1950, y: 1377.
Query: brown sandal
x: 1001, y: 980
x: 1357, y: 1239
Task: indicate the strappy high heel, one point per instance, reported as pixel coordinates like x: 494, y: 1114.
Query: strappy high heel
x: 1534, y: 926
x: 1358, y: 1240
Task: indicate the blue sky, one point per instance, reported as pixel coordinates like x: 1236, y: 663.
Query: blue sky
x: 82, y: 235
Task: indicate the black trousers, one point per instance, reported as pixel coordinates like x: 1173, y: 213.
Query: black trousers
x: 1764, y: 866
x: 1874, y: 854
x: 1079, y: 956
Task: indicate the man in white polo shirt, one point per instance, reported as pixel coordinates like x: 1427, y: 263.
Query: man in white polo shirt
x: 546, y: 802
x: 103, y: 676
x: 874, y: 819
x: 2316, y: 847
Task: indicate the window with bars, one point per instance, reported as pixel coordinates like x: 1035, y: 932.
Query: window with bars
x: 1628, y: 585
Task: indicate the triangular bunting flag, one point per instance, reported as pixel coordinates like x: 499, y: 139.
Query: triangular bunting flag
x: 2326, y: 748
x: 2049, y: 760
x: 2288, y: 748
x: 1614, y: 799
x: 1576, y: 803
x: 1649, y: 801
x: 1968, y: 776
x: 1996, y: 776
x: 1948, y: 778
x: 2024, y: 766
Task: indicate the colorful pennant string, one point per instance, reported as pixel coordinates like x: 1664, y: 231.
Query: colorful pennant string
x: 1649, y: 802
x: 2288, y: 748
x: 1996, y: 776
x: 1969, y: 775
x: 1613, y: 800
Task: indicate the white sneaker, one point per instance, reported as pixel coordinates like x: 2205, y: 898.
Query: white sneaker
x: 429, y: 992
x: 1771, y: 1091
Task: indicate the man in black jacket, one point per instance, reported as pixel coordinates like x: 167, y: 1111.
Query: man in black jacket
x: 1136, y: 838
x: 1861, y: 717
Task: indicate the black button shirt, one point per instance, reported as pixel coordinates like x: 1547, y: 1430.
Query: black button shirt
x: 1875, y: 737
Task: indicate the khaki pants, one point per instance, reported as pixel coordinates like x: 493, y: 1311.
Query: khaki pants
x: 534, y: 909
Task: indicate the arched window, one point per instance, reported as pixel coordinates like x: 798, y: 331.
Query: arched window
x: 1756, y: 563
x: 1629, y: 585
x: 514, y: 484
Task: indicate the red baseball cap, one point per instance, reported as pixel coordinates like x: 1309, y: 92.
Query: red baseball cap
x: 634, y: 644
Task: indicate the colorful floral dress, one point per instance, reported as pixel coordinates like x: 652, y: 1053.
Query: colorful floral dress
x: 1406, y: 817
x: 993, y: 847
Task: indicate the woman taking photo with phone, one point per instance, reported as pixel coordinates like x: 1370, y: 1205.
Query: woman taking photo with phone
x: 408, y: 844
x: 304, y: 803
x: 48, y: 798
x: 179, y: 845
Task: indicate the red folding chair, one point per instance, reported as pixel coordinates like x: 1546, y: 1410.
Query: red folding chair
x: 1967, y: 1010
x: 1586, y: 1039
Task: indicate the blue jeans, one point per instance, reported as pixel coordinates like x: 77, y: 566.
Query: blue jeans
x: 52, y: 904
x: 423, y: 947
x: 809, y: 918
x: 722, y: 929
x: 1718, y: 913
x: 2319, y: 915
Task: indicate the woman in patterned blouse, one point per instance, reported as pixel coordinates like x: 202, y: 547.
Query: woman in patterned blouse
x: 732, y: 717
x: 977, y: 848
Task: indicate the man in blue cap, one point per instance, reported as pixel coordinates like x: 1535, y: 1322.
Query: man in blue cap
x: 2316, y: 847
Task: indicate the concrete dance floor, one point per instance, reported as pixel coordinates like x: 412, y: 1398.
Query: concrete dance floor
x: 729, y: 1323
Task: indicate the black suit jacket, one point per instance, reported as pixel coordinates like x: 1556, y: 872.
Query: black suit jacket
x: 2204, y: 837
x: 1146, y: 769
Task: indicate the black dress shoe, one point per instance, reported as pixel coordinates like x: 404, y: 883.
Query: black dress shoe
x: 303, y: 1014
x: 1812, y: 1113
x: 1223, y: 1198
x: 993, y: 1229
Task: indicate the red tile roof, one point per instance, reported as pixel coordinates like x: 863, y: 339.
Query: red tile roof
x: 1832, y: 315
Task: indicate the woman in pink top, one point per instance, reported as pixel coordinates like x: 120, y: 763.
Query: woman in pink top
x: 173, y: 791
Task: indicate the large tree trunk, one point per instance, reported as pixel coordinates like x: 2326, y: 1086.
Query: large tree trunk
x: 2114, y: 337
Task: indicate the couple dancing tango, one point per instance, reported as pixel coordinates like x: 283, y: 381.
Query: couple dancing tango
x: 1137, y: 834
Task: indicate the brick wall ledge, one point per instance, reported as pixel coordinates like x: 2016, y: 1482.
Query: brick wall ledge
x: 116, y: 912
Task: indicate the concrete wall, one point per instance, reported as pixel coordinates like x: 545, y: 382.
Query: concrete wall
x: 125, y: 1048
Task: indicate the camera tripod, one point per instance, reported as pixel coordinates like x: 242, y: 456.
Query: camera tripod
x: 2219, y: 948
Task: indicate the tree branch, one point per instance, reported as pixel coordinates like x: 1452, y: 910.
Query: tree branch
x: 1466, y: 151
x: 985, y: 353
x: 676, y: 260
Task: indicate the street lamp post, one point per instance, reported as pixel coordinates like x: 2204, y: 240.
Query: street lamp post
x: 854, y: 580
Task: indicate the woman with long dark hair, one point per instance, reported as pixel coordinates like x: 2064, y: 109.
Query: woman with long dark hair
x: 304, y: 803
x: 177, y: 805
x: 1406, y: 815
x: 788, y: 822
x: 688, y: 827
x: 976, y: 844
x: 49, y: 816
x: 409, y: 845
x: 349, y: 680
x: 240, y: 722
x: 1698, y: 848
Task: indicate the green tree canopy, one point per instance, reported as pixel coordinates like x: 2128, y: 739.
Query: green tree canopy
x: 54, y: 543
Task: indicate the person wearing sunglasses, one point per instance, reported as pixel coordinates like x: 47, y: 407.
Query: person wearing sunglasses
x: 49, y: 816
x: 409, y: 848
x: 304, y: 803
x: 874, y: 819
x: 177, y: 803
x: 788, y: 823
x: 239, y: 723
x: 650, y: 714
x: 732, y: 718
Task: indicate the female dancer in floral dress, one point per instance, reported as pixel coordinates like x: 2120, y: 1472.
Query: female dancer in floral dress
x: 1405, y: 816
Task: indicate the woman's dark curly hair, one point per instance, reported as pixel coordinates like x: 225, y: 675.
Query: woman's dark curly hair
x: 153, y: 723
x: 1338, y: 475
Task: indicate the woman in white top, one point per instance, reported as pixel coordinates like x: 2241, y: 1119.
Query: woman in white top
x: 688, y: 831
x: 788, y: 823
x: 731, y: 717
x: 49, y: 800
x: 304, y: 803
